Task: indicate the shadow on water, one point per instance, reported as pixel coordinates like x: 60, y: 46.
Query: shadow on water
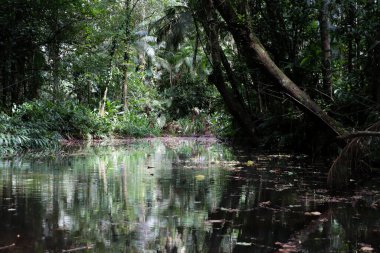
x: 180, y: 195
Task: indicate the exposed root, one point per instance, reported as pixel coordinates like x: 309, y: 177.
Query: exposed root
x: 353, y: 160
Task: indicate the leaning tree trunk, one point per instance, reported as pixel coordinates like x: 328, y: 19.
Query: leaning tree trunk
x: 326, y: 47
x: 253, y: 51
x: 232, y: 98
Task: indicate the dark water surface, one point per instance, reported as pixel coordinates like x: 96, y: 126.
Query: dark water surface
x: 180, y: 195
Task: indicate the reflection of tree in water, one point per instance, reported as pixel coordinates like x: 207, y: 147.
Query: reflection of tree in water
x: 349, y: 228
x: 165, y: 198
x: 185, y: 201
x: 266, y: 211
x: 254, y: 210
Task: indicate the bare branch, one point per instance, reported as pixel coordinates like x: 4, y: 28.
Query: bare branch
x: 8, y: 246
x: 359, y: 134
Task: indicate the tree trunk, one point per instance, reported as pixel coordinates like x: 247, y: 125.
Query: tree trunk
x: 326, y: 47
x: 233, y: 102
x: 251, y: 48
x: 103, y: 103
x: 126, y: 55
x: 2, y: 82
x: 231, y: 77
x: 16, y: 83
x: 351, y: 26
x: 376, y: 69
x: 54, y: 56
x: 125, y: 89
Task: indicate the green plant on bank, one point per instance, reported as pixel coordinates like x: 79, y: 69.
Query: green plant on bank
x: 16, y: 135
x: 70, y: 119
x: 41, y: 124
x: 193, y: 126
x: 216, y: 124
x: 221, y: 124
x: 136, y: 125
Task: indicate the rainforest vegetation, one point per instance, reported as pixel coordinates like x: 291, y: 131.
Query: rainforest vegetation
x: 279, y: 74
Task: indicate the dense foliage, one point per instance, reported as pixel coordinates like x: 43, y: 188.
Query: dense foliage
x: 90, y: 69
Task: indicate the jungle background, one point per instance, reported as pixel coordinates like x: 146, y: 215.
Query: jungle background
x: 299, y: 75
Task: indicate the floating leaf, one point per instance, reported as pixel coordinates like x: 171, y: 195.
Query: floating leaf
x: 366, y: 249
x: 200, y: 177
x: 214, y: 221
x: 229, y: 210
x: 312, y: 213
x: 264, y: 204
x: 243, y: 243
x: 249, y: 163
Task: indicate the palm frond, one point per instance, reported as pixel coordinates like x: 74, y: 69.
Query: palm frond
x: 353, y: 159
x: 174, y: 27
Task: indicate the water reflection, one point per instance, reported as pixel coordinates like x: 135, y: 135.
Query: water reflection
x: 177, y: 196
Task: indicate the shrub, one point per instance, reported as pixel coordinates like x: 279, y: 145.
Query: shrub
x: 68, y: 118
x: 16, y: 135
x: 136, y: 125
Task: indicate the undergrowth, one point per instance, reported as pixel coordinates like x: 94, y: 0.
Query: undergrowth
x: 41, y: 124
x: 16, y: 135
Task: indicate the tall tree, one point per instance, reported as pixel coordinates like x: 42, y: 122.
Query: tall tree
x: 232, y: 98
x: 324, y: 26
x: 128, y: 16
x: 254, y: 53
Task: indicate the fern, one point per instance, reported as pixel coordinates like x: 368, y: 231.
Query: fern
x: 16, y: 135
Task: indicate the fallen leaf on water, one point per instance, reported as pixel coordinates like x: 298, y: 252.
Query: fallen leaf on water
x: 214, y: 221
x: 288, y: 246
x: 200, y: 177
x: 230, y: 210
x: 243, y: 243
x: 312, y: 213
x: 288, y: 250
x: 264, y: 204
x: 231, y: 162
x: 249, y: 163
x: 261, y: 169
x: 366, y: 249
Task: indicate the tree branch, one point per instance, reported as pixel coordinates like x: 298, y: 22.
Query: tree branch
x: 359, y: 134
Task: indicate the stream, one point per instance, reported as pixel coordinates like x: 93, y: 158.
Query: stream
x: 181, y: 195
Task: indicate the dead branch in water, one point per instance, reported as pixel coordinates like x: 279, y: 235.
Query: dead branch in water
x: 352, y: 157
x: 359, y: 134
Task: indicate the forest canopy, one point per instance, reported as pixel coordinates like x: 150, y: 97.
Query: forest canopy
x: 303, y: 75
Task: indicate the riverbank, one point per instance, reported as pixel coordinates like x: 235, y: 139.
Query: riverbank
x: 43, y: 125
